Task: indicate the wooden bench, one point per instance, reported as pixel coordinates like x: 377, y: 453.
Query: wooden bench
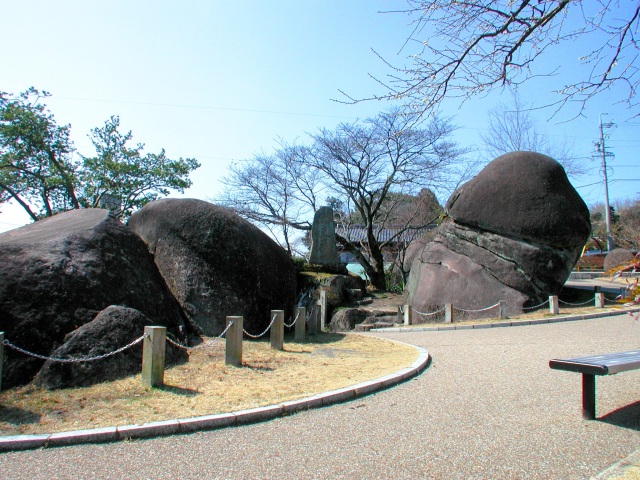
x: 589, y: 367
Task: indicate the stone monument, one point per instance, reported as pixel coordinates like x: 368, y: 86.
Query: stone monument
x: 323, y: 238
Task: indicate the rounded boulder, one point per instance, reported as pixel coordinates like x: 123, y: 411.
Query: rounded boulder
x: 523, y: 195
x: 216, y: 264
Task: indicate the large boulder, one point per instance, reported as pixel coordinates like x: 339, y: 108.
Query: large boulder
x: 114, y: 326
x: 617, y: 257
x: 216, y: 264
x: 514, y: 233
x: 57, y: 274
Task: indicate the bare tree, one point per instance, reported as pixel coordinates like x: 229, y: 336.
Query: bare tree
x: 469, y: 47
x: 372, y: 165
x: 366, y: 168
x: 511, y: 128
x: 274, y: 191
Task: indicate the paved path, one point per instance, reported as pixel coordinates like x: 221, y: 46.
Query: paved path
x: 487, y: 407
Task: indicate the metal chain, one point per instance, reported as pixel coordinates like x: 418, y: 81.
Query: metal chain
x: 263, y: 333
x: 536, y: 306
x: 202, y: 345
x: 613, y: 301
x: 310, y: 314
x: 480, y: 310
x: 294, y: 321
x: 427, y: 314
x: 577, y: 304
x: 74, y: 359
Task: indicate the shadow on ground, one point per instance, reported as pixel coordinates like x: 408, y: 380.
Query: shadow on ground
x: 18, y: 416
x: 627, y: 417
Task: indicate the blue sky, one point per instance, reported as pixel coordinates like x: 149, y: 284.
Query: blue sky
x: 221, y: 81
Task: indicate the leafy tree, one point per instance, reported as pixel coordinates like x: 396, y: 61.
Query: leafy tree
x: 470, y: 47
x: 125, y: 177
x: 511, y: 128
x: 367, y: 168
x: 38, y: 170
x: 36, y: 166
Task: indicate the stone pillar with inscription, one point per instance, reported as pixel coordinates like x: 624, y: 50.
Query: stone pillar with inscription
x: 323, y: 237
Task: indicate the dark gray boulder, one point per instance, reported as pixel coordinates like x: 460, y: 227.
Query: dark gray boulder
x: 523, y: 195
x: 114, y: 327
x: 216, y: 264
x: 57, y: 274
x: 346, y: 319
x: 514, y: 233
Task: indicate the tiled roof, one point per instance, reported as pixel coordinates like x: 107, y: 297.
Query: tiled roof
x: 357, y: 233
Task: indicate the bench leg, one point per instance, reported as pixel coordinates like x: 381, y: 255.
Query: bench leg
x: 588, y: 396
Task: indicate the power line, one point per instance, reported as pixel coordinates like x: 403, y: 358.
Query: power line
x: 204, y: 107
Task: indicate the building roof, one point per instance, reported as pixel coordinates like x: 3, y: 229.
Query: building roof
x: 358, y: 233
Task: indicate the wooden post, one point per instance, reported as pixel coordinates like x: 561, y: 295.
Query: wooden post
x: 323, y: 309
x: 153, y: 347
x: 448, y: 313
x: 554, y: 306
x: 313, y: 320
x: 277, y: 330
x: 301, y: 321
x: 503, y: 309
x: 408, y: 315
x: 1, y: 356
x: 599, y: 300
x: 233, y: 350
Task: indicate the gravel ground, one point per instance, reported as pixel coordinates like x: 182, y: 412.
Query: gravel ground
x: 487, y: 407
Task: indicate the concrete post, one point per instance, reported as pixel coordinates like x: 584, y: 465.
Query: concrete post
x: 233, y: 349
x: 277, y: 330
x: 408, y: 315
x: 503, y: 309
x: 313, y: 319
x: 1, y: 356
x: 300, y: 313
x: 599, y: 300
x: 153, y: 347
x: 554, y: 306
x: 323, y: 309
x: 448, y: 313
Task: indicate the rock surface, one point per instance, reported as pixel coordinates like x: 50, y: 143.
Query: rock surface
x: 115, y: 326
x: 617, y: 257
x: 57, y: 274
x: 514, y: 233
x: 216, y: 264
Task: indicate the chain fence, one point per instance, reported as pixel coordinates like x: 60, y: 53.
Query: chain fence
x: 74, y: 359
x: 478, y: 310
x: 263, y: 333
x: 536, y: 306
x: 289, y: 325
x: 427, y: 314
x: 579, y: 304
x: 202, y: 345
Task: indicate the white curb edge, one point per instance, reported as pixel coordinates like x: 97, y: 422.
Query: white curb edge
x: 211, y: 422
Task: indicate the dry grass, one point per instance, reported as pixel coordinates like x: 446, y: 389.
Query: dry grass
x: 205, y: 385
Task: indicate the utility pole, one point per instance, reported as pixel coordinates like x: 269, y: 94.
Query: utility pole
x: 602, y: 150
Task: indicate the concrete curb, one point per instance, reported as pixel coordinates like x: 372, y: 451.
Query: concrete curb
x: 515, y: 323
x: 630, y: 465
x: 211, y: 422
